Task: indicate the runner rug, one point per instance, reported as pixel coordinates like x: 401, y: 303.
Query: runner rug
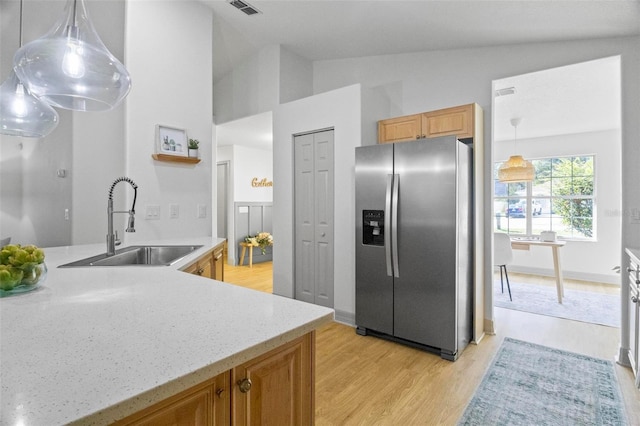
x: 585, y: 306
x: 530, y: 384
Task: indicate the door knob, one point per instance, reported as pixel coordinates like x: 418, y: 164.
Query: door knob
x: 634, y: 299
x: 244, y: 385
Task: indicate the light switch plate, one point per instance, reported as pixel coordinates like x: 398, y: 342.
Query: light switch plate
x: 202, y: 211
x: 152, y: 212
x: 174, y: 211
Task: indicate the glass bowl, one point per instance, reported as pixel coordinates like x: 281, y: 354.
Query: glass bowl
x: 32, y: 278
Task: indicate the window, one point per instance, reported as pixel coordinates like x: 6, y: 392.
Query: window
x: 561, y: 198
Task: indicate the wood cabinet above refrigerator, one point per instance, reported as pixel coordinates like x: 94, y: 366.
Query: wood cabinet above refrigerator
x: 459, y: 121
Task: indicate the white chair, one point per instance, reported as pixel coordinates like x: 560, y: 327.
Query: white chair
x: 502, y: 256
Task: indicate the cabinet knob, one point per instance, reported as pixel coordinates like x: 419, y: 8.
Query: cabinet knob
x: 200, y: 271
x: 220, y: 392
x: 634, y: 299
x: 244, y: 385
x: 630, y: 269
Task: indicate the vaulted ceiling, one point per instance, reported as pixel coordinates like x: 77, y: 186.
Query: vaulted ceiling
x: 327, y: 29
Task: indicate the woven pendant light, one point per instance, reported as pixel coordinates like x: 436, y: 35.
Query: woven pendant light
x: 516, y: 168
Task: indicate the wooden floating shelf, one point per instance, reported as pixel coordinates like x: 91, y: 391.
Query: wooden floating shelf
x: 175, y: 159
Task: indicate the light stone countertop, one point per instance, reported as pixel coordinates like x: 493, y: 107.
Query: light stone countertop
x: 94, y: 344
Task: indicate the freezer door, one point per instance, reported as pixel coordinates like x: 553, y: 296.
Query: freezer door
x: 374, y: 280
x: 425, y: 290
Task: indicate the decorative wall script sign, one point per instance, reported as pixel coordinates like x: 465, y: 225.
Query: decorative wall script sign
x: 261, y: 183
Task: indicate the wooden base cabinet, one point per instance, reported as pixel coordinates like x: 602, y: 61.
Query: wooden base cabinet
x: 210, y: 265
x: 205, y: 404
x: 276, y: 388
x: 218, y: 262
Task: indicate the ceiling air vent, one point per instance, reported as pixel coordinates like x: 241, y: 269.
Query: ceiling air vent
x: 244, y: 7
x: 506, y: 91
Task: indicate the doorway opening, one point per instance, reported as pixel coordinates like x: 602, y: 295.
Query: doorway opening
x: 570, y: 129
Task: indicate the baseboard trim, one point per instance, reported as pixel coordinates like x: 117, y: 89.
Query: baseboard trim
x: 346, y: 318
x: 572, y: 275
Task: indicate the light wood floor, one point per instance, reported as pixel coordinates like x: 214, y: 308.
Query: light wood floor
x: 370, y: 381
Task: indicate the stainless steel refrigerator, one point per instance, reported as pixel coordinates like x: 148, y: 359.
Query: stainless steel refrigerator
x: 414, y: 243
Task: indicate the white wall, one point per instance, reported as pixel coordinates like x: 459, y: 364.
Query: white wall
x: 425, y: 81
x: 99, y: 138
x: 339, y: 109
x: 296, y: 76
x: 251, y: 163
x: 251, y: 88
x: 172, y: 86
x: 272, y: 76
x: 89, y: 146
x: 584, y: 260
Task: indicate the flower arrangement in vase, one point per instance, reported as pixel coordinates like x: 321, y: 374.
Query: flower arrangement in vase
x: 261, y: 239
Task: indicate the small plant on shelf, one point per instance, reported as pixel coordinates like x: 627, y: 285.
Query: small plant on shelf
x: 193, y: 147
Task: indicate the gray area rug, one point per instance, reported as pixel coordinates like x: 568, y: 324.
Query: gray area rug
x: 529, y: 384
x: 596, y: 308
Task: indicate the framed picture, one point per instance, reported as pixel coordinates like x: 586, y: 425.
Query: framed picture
x: 171, y: 141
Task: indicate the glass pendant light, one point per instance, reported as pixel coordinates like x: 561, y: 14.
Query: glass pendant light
x: 70, y: 67
x: 21, y: 113
x: 516, y: 168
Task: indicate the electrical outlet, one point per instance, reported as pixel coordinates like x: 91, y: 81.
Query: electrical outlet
x: 174, y: 211
x: 152, y: 212
x: 202, y: 211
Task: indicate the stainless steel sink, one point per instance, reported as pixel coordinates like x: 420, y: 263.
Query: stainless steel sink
x: 137, y: 256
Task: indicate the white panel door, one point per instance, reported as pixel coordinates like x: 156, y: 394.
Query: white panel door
x: 222, y: 173
x: 314, y: 195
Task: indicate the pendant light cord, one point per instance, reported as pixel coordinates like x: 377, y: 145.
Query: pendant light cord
x: 72, y: 30
x: 20, y: 25
x: 75, y: 13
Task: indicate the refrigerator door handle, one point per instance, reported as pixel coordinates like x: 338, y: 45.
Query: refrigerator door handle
x: 387, y: 225
x: 394, y: 225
